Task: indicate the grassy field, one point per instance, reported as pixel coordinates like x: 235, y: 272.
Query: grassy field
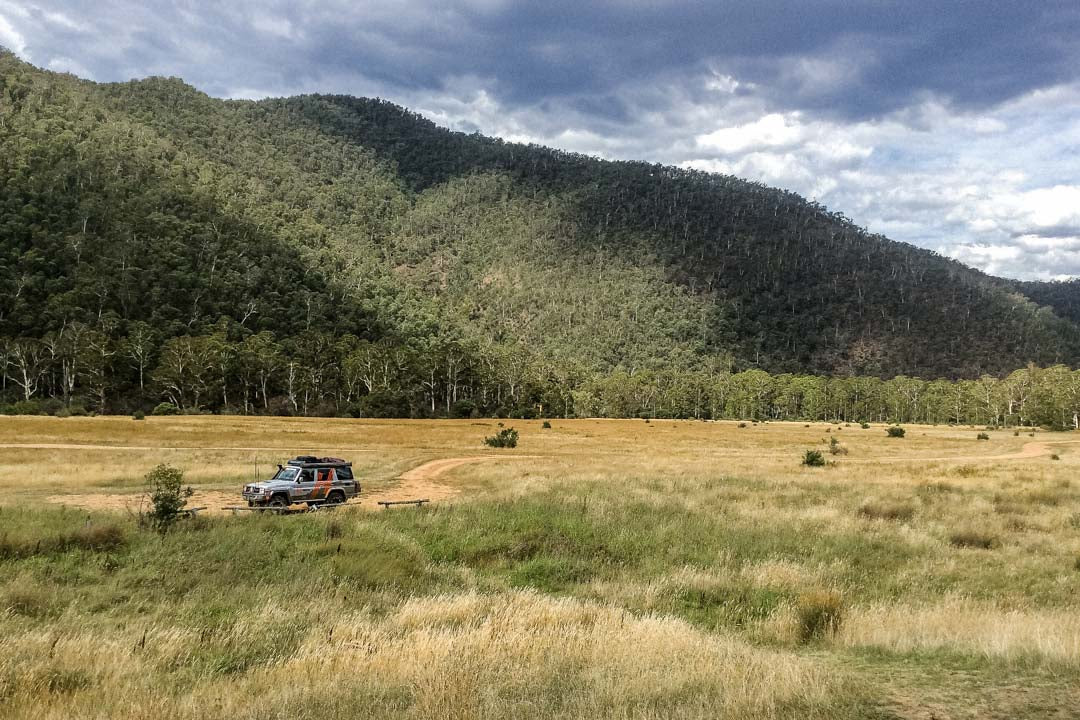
x: 603, y: 568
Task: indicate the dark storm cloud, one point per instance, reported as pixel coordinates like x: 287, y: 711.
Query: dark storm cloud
x: 847, y: 58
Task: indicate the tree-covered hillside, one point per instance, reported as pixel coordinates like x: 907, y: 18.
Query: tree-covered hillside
x: 319, y: 253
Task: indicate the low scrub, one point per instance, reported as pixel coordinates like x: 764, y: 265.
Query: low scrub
x: 165, y: 408
x: 506, y: 438
x: 974, y: 538
x: 895, y: 431
x: 836, y: 448
x: 982, y: 436
x: 819, y: 614
x: 882, y: 510
x: 813, y: 458
x: 167, y: 497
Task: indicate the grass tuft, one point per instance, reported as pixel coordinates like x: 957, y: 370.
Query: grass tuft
x: 974, y: 538
x: 883, y: 510
x: 819, y: 614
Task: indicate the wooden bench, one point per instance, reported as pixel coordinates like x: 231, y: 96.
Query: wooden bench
x: 254, y: 508
x: 388, y: 503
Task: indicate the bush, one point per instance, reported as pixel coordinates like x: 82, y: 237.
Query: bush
x: 813, y: 458
x: 463, y: 409
x: 895, y: 431
x: 836, y: 448
x: 742, y: 425
x: 982, y: 436
x: 546, y: 425
x: 974, y: 538
x: 139, y: 415
x: 385, y: 404
x: 507, y: 438
x: 865, y: 425
x: 165, y: 408
x: 1055, y: 456
x: 819, y: 613
x: 167, y: 496
x: 899, y: 512
x: 26, y: 407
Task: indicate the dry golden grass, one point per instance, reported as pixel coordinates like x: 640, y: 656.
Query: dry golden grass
x: 702, y: 619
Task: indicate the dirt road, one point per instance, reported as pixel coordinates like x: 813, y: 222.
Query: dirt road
x: 421, y: 482
x: 1029, y: 450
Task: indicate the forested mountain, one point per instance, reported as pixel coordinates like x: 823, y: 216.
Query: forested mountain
x: 318, y: 253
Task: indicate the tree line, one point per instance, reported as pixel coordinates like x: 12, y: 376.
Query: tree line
x: 85, y: 368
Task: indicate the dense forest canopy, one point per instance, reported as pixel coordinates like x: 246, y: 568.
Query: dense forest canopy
x: 328, y: 254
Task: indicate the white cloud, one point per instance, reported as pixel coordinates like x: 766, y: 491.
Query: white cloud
x: 11, y: 38
x: 772, y: 130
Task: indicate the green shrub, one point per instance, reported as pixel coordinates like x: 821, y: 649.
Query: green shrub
x: 974, y: 538
x: 26, y: 407
x: 836, y: 448
x: 813, y: 458
x: 742, y: 424
x: 895, y: 431
x: 507, y: 438
x: 865, y: 425
x: 165, y: 408
x: 138, y: 415
x: 463, y: 409
x: 167, y: 495
x: 546, y: 425
x: 982, y: 436
x: 819, y: 614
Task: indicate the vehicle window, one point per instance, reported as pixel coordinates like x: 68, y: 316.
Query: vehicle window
x: 325, y: 476
x: 307, y: 475
x: 344, y: 473
x: 287, y: 473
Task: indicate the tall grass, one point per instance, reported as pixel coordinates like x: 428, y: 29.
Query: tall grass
x: 628, y: 569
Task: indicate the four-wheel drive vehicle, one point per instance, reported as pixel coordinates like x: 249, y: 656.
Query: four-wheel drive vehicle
x: 305, y: 479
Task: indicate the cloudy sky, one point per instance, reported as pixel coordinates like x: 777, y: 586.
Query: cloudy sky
x: 950, y: 124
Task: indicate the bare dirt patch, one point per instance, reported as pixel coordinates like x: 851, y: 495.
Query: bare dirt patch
x: 421, y: 482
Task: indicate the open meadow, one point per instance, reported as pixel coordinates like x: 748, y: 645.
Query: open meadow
x: 603, y: 568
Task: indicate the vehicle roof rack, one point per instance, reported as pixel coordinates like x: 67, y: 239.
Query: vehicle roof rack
x: 313, y: 460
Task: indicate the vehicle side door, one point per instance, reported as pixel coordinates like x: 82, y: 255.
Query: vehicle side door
x: 305, y: 484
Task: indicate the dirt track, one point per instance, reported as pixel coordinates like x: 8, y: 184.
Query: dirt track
x: 418, y: 483
x: 1029, y: 450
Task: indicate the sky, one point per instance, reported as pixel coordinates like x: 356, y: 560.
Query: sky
x: 949, y: 124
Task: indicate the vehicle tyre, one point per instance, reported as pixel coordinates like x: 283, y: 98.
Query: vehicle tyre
x: 279, y: 503
x: 335, y: 498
